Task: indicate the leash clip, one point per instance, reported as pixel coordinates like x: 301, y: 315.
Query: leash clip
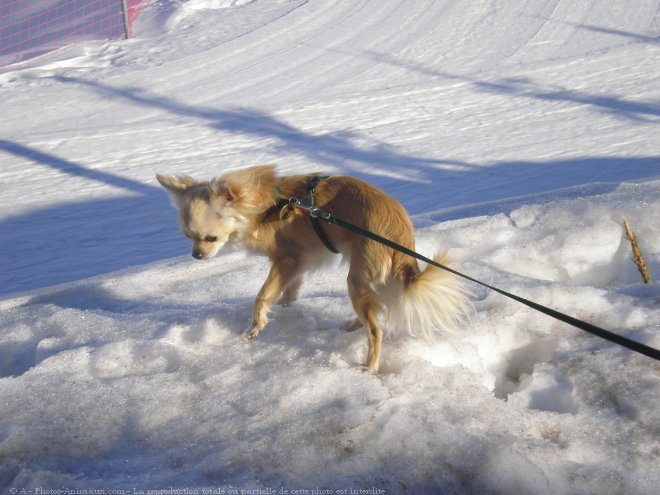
x: 313, y: 211
x: 319, y: 213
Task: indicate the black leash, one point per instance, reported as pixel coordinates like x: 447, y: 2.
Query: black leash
x: 318, y: 214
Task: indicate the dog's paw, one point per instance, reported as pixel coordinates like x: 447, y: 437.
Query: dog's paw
x: 288, y: 297
x: 371, y: 371
x: 352, y: 325
x: 284, y: 301
x: 250, y: 333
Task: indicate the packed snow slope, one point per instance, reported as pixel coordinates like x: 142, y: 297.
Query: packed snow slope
x: 517, y: 135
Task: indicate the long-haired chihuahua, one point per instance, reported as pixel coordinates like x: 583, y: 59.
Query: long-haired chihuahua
x: 246, y: 207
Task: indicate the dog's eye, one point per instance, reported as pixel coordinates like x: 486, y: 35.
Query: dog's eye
x: 210, y: 238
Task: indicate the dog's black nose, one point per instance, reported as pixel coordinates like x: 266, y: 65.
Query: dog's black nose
x: 197, y: 255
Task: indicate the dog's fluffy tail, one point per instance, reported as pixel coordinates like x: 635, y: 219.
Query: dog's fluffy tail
x: 432, y: 301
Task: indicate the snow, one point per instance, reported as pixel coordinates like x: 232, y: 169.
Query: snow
x: 517, y: 134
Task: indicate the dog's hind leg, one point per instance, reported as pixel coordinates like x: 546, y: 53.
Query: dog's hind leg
x: 366, y: 306
x: 283, y: 271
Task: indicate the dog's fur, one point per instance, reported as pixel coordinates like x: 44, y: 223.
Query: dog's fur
x: 241, y: 206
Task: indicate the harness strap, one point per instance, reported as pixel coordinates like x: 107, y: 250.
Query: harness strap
x: 311, y: 187
x: 279, y: 204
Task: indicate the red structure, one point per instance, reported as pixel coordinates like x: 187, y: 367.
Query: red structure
x: 133, y: 8
x: 30, y: 28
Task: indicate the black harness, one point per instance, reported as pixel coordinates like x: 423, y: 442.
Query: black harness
x: 281, y: 203
x: 311, y: 187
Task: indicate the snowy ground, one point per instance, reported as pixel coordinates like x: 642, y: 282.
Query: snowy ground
x: 517, y: 134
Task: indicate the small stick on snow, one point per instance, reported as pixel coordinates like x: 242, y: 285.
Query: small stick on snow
x: 637, y: 253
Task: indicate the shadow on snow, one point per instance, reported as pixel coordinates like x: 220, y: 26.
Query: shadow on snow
x: 75, y: 240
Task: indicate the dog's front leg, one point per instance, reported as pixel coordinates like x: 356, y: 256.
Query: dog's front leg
x: 281, y: 273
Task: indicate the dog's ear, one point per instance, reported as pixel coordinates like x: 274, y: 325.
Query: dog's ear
x: 245, y: 188
x: 176, y: 185
x: 219, y: 190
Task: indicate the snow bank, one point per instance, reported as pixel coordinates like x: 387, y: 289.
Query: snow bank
x: 193, y: 6
x: 140, y: 379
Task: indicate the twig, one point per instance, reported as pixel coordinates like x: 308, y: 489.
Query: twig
x: 637, y: 253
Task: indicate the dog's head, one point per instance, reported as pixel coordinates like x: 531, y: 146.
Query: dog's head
x: 214, y: 212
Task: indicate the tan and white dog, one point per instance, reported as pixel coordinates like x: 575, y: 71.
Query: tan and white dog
x: 245, y: 206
